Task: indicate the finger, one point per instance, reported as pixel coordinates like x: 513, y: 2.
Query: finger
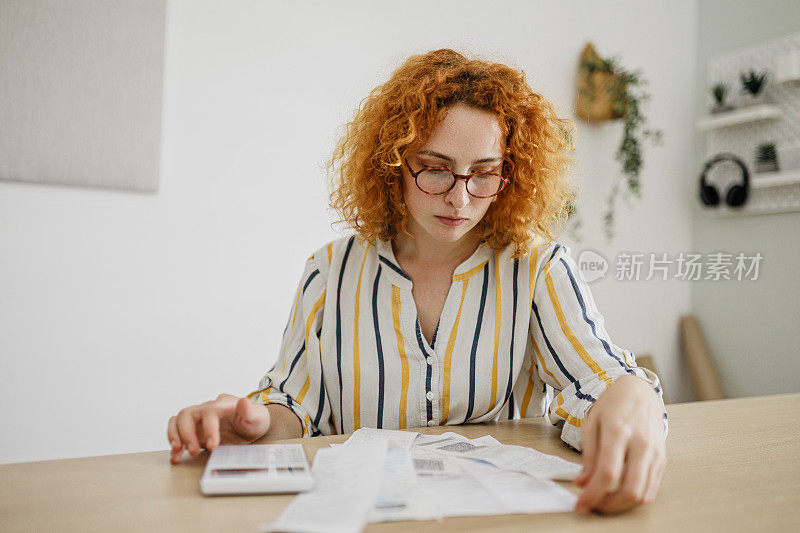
x: 654, y: 480
x: 187, y: 427
x: 211, y: 427
x: 634, y: 480
x: 589, y: 437
x: 175, y: 440
x: 172, y: 433
x: 251, y: 419
x: 175, y: 458
x: 612, y: 443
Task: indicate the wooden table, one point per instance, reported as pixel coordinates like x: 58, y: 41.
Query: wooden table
x: 733, y: 465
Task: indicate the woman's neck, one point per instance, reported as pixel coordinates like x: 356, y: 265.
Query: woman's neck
x: 424, y: 251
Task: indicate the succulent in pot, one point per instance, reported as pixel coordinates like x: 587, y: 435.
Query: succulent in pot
x: 753, y: 87
x: 766, y: 158
x: 720, y: 91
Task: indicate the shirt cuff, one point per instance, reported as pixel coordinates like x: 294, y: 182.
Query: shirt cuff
x: 271, y: 395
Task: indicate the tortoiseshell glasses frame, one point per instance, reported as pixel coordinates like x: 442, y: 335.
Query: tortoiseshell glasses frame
x: 456, y: 177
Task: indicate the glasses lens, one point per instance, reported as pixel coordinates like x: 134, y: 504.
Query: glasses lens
x: 435, y: 181
x: 484, y: 185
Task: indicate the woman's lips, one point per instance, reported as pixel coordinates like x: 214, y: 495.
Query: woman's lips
x: 447, y: 221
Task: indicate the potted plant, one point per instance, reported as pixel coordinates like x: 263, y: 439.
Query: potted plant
x: 598, y: 88
x: 608, y: 91
x: 719, y: 91
x: 753, y: 87
x: 766, y: 158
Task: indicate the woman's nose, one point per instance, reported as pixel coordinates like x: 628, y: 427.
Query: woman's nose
x: 458, y: 196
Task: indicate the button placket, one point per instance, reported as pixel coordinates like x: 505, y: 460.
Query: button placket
x: 429, y: 412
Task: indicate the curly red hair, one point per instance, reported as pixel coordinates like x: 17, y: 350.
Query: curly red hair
x: 398, y: 117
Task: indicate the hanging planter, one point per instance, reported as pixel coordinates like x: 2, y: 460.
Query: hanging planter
x: 598, y: 88
x: 607, y: 91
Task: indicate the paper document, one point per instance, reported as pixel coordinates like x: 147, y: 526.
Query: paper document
x: 397, y: 439
x: 346, y: 481
x: 507, y: 457
x: 386, y: 475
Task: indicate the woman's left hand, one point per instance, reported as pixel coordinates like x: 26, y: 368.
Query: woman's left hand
x: 624, y: 453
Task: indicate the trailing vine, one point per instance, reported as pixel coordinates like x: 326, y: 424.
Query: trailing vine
x: 627, y: 97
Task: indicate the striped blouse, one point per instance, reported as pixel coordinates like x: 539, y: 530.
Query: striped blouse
x: 516, y: 338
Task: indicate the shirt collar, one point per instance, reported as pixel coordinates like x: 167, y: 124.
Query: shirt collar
x: 471, y: 266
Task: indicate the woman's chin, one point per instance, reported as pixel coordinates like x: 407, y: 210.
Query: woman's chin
x: 446, y: 234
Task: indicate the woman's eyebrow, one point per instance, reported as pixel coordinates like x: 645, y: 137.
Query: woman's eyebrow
x: 446, y: 158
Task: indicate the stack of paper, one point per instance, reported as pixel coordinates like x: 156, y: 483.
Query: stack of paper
x: 387, y: 475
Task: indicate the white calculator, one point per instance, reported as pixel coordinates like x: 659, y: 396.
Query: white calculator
x: 257, y: 469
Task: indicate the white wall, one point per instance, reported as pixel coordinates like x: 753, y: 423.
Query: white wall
x: 118, y: 309
x: 750, y: 328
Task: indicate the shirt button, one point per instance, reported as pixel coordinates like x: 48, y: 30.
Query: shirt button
x: 429, y: 396
x: 431, y: 423
x: 429, y: 360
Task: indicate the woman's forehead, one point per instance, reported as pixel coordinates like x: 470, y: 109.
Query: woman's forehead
x: 466, y: 133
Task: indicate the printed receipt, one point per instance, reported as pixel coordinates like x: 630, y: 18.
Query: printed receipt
x: 508, y: 457
x: 386, y: 475
x: 346, y: 480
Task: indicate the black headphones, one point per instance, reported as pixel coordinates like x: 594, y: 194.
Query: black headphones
x: 737, y: 194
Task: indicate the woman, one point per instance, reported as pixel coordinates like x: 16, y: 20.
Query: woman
x: 452, y: 303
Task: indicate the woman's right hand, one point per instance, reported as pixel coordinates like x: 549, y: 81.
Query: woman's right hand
x: 226, y: 420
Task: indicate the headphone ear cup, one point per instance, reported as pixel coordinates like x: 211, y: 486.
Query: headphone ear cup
x: 709, y: 195
x: 736, y: 196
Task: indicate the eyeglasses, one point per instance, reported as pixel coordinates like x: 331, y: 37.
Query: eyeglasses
x: 439, y: 180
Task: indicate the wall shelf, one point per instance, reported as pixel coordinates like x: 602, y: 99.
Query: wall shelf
x: 739, y: 116
x: 774, y: 179
x: 742, y: 130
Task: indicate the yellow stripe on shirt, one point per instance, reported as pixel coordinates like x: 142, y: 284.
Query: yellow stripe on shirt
x: 402, y: 351
x: 541, y: 360
x: 294, y: 316
x: 532, y: 272
x: 469, y: 273
x: 448, y: 356
x: 577, y: 422
x: 526, y: 398
x: 313, y: 313
x: 562, y: 320
x: 356, y: 361
x: 303, y: 391
x: 497, y: 313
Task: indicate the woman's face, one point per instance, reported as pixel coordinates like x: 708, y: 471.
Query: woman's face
x: 467, y: 140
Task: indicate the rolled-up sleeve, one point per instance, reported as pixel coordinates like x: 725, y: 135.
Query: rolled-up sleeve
x: 578, y: 358
x: 296, y: 378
